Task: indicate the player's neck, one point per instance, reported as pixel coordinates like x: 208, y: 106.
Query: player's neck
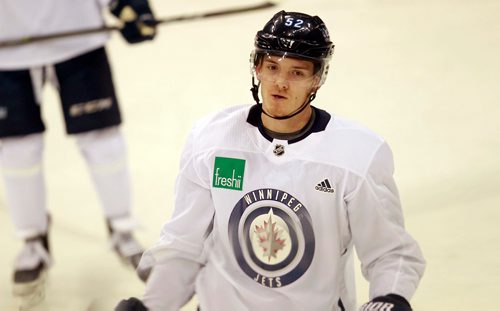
x: 292, y: 125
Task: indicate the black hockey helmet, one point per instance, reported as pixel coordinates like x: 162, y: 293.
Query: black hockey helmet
x: 296, y: 35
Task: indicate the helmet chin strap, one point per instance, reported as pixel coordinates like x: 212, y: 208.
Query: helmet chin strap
x: 255, y: 94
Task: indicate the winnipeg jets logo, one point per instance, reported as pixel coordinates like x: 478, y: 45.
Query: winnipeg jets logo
x: 272, y: 238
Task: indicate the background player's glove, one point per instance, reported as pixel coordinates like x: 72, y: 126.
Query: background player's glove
x: 131, y: 304
x: 138, y: 20
x: 385, y: 303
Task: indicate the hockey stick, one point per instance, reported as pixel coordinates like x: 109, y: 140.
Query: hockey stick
x: 168, y: 20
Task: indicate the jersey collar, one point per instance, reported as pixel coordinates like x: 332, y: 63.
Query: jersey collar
x: 319, y: 125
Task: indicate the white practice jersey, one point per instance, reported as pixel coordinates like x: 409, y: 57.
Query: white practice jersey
x: 25, y: 18
x: 261, y: 223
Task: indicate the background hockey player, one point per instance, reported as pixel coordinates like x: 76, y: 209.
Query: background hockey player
x: 271, y: 198
x: 79, y: 68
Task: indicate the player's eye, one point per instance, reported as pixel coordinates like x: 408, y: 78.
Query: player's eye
x: 299, y: 75
x: 272, y: 67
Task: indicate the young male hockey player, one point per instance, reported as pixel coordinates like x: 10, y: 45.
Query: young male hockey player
x: 79, y: 68
x: 271, y: 199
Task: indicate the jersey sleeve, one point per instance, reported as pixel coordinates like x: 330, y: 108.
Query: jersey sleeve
x: 179, y: 254
x: 391, y: 259
x: 103, y: 3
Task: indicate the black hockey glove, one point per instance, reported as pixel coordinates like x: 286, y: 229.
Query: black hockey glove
x: 131, y: 304
x: 389, y: 302
x: 139, y: 23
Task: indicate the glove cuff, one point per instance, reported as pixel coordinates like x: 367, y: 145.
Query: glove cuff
x: 116, y: 6
x: 139, y: 23
x: 391, y: 302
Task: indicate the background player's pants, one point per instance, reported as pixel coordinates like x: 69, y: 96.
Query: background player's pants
x: 105, y: 154
x: 91, y: 114
x: 22, y: 169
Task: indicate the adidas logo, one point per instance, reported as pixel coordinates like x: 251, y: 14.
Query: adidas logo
x: 324, y: 186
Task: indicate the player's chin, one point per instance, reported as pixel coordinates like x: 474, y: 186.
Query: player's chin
x: 274, y: 108
x: 278, y: 113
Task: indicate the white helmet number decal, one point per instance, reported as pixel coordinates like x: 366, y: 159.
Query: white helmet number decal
x: 296, y: 23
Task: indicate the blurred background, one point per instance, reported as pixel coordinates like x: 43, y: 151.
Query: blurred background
x: 423, y: 74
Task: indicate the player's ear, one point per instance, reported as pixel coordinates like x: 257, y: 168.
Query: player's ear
x: 258, y: 69
x: 317, y: 82
x: 257, y: 62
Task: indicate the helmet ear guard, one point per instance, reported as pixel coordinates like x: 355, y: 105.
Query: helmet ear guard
x: 255, y: 59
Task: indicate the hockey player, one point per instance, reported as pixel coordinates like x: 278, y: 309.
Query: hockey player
x: 79, y: 68
x: 271, y: 198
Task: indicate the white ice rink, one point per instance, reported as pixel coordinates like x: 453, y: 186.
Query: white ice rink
x: 423, y: 74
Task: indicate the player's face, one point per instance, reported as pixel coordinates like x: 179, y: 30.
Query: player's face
x: 286, y: 83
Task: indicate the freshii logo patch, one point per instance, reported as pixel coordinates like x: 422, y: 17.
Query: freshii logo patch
x: 228, y: 173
